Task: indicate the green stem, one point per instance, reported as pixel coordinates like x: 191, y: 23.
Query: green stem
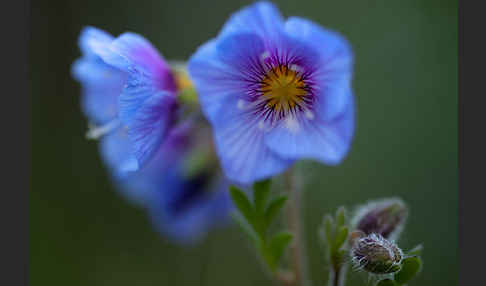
x: 285, y: 278
x: 336, y: 275
x: 298, y: 257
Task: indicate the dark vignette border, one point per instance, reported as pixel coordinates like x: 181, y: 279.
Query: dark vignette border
x: 460, y: 107
x: 471, y: 147
x: 15, y: 134
x: 15, y: 117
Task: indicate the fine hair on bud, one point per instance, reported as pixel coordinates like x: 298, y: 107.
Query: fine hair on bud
x: 375, y: 254
x: 386, y: 217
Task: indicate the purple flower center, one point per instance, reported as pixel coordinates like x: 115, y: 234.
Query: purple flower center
x: 280, y: 88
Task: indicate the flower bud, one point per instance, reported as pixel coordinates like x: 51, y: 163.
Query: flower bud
x: 375, y: 254
x: 385, y: 217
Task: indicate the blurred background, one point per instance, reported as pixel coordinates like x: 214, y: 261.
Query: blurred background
x: 82, y: 232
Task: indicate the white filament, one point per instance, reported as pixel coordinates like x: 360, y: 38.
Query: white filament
x: 95, y: 132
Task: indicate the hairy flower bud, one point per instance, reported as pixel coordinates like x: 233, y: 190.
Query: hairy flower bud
x: 385, y: 217
x: 375, y: 254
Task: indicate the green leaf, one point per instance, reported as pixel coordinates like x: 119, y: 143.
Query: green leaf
x: 261, y: 190
x: 246, y: 228
x: 386, y: 282
x: 416, y: 251
x: 274, y: 208
x: 410, y: 267
x: 341, y: 237
x: 276, y: 247
x: 329, y: 229
x: 243, y: 204
x: 341, y: 216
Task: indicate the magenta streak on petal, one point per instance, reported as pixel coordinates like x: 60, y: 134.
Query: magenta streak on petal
x: 161, y: 73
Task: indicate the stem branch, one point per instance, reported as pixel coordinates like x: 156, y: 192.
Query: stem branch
x: 336, y: 275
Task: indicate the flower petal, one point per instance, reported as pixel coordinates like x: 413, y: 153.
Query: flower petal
x: 219, y: 69
x: 239, y: 140
x: 142, y: 187
x: 210, y: 208
x: 242, y: 52
x: 101, y: 86
x: 93, y: 41
x: 333, y: 74
x: 116, y: 152
x: 262, y: 18
x: 330, y: 44
x: 147, y: 117
x: 210, y: 78
x: 136, y: 55
x: 310, y: 137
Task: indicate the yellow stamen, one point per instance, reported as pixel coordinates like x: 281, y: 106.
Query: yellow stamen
x: 182, y: 81
x: 184, y: 85
x: 283, y: 89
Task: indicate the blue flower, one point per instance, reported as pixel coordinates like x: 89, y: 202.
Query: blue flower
x: 185, y: 208
x: 274, y: 92
x: 128, y: 91
x: 101, y: 83
x: 183, y: 202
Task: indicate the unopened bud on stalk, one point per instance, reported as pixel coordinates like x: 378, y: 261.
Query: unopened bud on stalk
x: 385, y: 217
x: 377, y: 255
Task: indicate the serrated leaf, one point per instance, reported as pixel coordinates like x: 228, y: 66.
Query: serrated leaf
x: 276, y: 247
x: 341, y: 236
x: 247, y: 229
x: 242, y: 204
x: 410, y: 268
x: 341, y: 216
x: 274, y: 208
x: 261, y: 190
x: 416, y: 251
x: 386, y: 282
x: 329, y: 229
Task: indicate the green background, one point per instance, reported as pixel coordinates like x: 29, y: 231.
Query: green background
x: 83, y: 233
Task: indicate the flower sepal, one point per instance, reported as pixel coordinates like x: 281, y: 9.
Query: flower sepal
x: 410, y: 267
x: 386, y: 282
